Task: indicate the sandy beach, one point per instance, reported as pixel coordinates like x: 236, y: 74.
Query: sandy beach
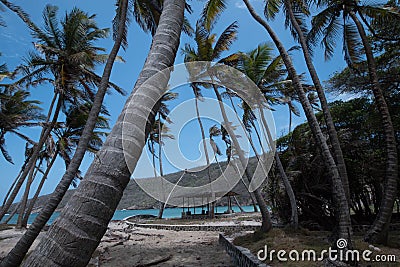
x: 124, y: 245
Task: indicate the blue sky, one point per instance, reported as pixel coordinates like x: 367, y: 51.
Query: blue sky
x: 16, y: 42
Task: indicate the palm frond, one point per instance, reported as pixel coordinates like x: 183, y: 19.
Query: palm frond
x: 147, y: 14
x: 225, y: 40
x: 4, y: 151
x: 186, y: 27
x: 272, y: 8
x: 351, y: 44
x: 51, y: 26
x: 211, y: 12
x: 319, y: 23
x: 117, y: 20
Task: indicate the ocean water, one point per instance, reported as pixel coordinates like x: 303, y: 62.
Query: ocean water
x: 122, y: 214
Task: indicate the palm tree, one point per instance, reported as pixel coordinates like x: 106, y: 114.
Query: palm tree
x: 210, y: 48
x: 32, y: 174
x: 325, y: 24
x: 147, y: 15
x: 67, y: 135
x: 295, y: 12
x: 199, y: 97
x: 109, y: 173
x: 158, y: 132
x: 17, y: 254
x: 16, y: 111
x: 66, y: 57
x: 230, y: 153
x: 344, y: 228
x: 267, y: 73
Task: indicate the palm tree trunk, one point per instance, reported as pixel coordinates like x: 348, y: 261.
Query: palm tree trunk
x: 290, y: 120
x: 344, y: 228
x: 238, y: 204
x: 324, y: 103
x: 38, y: 190
x: 12, y: 214
x: 254, y: 149
x: 203, y: 138
x: 160, y: 204
x: 13, y: 184
x: 253, y: 201
x: 378, y: 233
x: 289, y: 190
x: 161, y: 211
x: 266, y: 224
x: 84, y: 220
x: 286, y: 182
x: 25, y: 197
x: 32, y: 160
x: 333, y: 136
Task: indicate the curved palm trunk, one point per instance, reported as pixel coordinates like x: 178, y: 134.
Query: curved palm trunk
x: 76, y: 233
x: 266, y: 224
x: 379, y: 229
x: 32, y: 160
x: 38, y: 190
x: 203, y: 137
x: 333, y: 136
x: 344, y: 227
x: 289, y: 190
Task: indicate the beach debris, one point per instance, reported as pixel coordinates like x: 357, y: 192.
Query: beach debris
x: 155, y: 262
x: 117, y: 244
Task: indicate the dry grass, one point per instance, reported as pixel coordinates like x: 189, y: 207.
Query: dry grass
x: 288, y: 239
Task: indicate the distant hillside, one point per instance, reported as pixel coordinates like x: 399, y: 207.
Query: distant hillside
x: 135, y: 198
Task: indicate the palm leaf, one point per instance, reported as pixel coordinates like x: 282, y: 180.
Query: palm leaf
x: 225, y: 40
x: 4, y: 151
x: 117, y: 20
x: 272, y: 8
x: 211, y: 12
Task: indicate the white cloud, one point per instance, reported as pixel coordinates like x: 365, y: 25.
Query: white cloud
x: 240, y: 4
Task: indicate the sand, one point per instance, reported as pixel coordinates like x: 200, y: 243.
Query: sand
x: 124, y: 245
x: 8, y: 239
